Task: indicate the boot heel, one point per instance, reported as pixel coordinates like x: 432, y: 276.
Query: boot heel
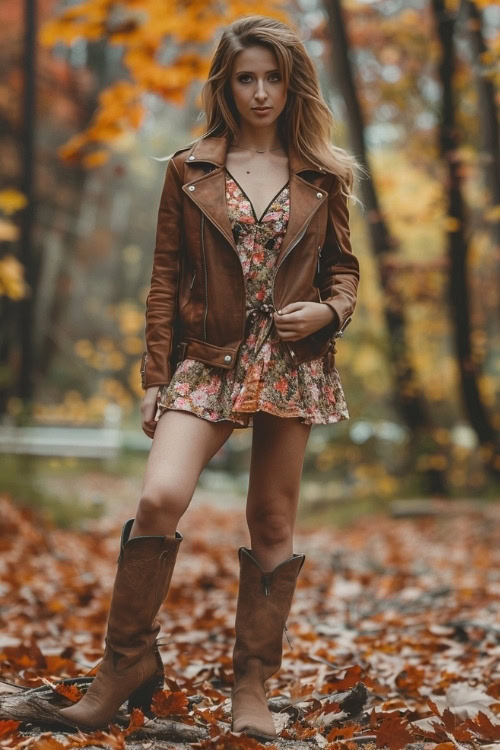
x: 142, y: 697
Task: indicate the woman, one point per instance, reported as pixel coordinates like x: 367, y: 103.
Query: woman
x: 253, y: 278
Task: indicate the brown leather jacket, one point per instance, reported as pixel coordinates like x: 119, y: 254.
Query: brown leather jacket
x: 196, y: 306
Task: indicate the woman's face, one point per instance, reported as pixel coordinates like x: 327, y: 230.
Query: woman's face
x: 257, y: 82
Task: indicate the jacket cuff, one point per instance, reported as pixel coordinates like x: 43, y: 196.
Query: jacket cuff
x: 334, y: 325
x: 150, y: 375
x: 327, y: 331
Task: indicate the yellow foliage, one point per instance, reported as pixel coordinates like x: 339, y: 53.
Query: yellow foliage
x: 415, y: 224
x: 12, y: 283
x: 441, y: 436
x: 72, y: 397
x: 133, y: 345
x: 325, y: 460
x: 487, y: 57
x: 366, y: 361
x: 83, y: 348
x: 105, y: 344
x: 451, y: 224
x: 116, y: 392
x: 130, y: 318
x: 489, y: 388
x: 492, y: 213
x: 386, y: 485
x: 116, y: 361
x: 8, y: 231
x: 11, y: 200
x: 134, y: 379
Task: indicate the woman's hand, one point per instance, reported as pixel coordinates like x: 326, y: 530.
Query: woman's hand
x: 148, y: 410
x: 299, y: 319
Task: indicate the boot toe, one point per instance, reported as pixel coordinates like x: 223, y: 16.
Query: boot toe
x: 256, y: 732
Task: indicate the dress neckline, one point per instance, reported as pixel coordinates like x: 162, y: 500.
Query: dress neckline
x: 258, y: 221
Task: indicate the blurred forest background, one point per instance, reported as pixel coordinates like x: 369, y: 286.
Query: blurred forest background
x: 94, y: 93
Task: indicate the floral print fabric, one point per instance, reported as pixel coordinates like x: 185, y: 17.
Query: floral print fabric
x: 263, y: 377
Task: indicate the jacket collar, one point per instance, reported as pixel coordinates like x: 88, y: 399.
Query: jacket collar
x: 214, y: 149
x: 208, y: 191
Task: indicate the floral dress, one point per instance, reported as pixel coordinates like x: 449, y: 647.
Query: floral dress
x: 263, y: 377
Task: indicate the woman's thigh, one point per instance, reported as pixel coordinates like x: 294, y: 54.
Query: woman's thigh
x: 183, y: 444
x: 278, y: 450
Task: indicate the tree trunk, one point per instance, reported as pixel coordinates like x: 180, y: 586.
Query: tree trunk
x: 410, y: 401
x: 26, y: 305
x: 457, y: 243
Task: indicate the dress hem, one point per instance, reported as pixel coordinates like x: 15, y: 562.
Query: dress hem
x: 337, y: 417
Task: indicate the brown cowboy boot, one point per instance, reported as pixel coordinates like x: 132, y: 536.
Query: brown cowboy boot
x: 264, y: 602
x: 131, y: 666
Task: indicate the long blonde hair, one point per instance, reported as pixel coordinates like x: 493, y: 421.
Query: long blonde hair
x: 306, y: 119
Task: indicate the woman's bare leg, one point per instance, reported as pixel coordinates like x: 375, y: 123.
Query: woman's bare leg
x: 183, y: 444
x: 278, y: 449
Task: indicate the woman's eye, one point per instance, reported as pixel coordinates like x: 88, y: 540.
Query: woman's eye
x: 274, y: 77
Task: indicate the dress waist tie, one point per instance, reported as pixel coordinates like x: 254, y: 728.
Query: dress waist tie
x: 267, y: 309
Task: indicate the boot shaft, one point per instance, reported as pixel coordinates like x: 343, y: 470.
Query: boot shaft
x: 145, y: 568
x: 263, y: 605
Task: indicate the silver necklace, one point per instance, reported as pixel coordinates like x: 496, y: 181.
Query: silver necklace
x: 258, y: 151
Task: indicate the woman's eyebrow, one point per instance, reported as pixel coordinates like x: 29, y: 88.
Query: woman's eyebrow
x: 274, y: 70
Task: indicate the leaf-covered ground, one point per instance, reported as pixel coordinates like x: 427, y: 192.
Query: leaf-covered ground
x: 395, y: 630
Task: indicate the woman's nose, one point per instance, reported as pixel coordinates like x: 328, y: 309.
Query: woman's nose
x: 261, y: 91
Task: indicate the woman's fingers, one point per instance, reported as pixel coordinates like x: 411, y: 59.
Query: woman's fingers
x: 149, y: 428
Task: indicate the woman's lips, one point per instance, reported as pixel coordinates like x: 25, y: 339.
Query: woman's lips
x: 262, y: 111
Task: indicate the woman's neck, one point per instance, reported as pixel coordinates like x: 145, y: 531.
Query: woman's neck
x: 261, y: 139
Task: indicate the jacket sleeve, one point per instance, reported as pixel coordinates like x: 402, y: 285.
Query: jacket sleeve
x: 339, y: 267
x: 161, y: 301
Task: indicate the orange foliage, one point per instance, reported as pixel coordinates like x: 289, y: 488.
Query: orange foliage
x: 143, y: 30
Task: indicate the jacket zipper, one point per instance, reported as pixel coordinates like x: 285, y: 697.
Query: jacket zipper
x: 287, y: 346
x: 145, y: 357
x: 206, y: 281
x: 316, y: 281
x: 320, y: 249
x: 242, y: 276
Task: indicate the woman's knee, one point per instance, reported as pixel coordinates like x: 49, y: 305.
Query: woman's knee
x: 158, y: 502
x: 271, y: 526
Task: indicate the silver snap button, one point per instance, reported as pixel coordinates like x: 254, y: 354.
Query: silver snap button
x: 227, y: 358
x: 319, y: 195
x: 191, y: 187
x: 191, y: 157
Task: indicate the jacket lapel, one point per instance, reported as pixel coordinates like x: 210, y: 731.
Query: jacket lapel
x: 209, y: 192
